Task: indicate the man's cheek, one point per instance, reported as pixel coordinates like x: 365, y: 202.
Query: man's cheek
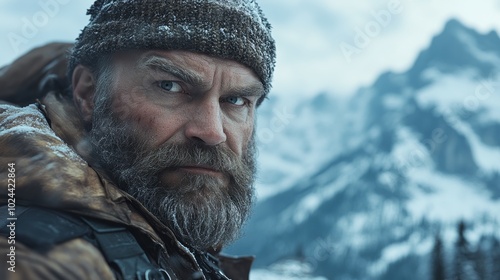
x: 128, y: 105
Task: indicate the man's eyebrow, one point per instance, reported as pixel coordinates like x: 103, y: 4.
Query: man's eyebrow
x: 165, y: 65
x: 256, y: 90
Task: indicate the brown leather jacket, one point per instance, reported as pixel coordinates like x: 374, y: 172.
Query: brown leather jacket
x: 42, y: 139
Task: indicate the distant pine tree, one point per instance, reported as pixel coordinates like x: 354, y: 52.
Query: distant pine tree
x: 495, y: 259
x: 438, y: 267
x: 460, y: 252
x: 463, y: 265
x: 480, y: 262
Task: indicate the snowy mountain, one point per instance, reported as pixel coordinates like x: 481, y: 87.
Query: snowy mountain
x: 359, y: 188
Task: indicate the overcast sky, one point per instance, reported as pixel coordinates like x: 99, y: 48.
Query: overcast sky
x: 323, y: 45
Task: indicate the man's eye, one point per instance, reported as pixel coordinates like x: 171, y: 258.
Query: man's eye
x: 235, y: 100
x: 170, y: 86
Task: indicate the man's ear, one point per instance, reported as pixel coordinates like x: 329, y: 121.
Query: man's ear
x: 84, y: 86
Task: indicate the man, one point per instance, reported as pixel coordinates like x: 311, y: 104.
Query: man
x: 143, y: 167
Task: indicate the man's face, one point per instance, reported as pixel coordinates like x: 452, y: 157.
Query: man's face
x: 175, y: 130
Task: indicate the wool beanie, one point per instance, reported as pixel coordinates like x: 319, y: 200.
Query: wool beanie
x: 228, y: 29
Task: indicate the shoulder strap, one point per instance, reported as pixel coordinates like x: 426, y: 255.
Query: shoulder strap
x: 210, y: 265
x: 7, y: 215
x: 121, y: 250
x: 41, y: 229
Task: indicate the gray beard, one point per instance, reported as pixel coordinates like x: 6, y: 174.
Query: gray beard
x: 202, y: 213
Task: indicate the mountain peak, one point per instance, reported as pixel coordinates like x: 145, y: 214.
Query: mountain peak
x: 456, y: 48
x: 454, y: 25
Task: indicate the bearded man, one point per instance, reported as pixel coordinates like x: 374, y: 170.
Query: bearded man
x: 138, y: 161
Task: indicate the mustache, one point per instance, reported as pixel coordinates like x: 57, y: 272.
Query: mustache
x: 173, y: 155
x: 218, y: 158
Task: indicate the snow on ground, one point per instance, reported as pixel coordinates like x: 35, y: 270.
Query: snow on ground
x: 416, y: 244
x: 285, y: 270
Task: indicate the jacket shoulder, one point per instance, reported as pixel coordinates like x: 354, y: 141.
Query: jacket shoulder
x: 25, y: 79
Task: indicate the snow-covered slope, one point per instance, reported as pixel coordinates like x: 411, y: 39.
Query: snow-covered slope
x: 357, y: 189
x: 295, y: 137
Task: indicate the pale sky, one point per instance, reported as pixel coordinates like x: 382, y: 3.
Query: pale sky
x: 376, y: 35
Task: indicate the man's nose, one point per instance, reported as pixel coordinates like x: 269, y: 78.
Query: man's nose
x: 206, y: 123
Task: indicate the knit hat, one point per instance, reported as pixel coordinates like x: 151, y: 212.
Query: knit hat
x: 229, y: 29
